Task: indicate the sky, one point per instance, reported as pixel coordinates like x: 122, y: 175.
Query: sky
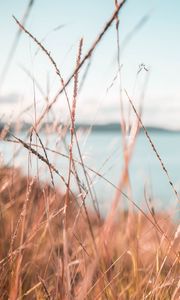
x: 148, y: 34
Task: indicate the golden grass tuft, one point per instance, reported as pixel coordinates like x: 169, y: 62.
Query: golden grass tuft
x: 137, y: 263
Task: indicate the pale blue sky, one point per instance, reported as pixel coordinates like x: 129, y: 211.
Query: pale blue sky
x: 156, y: 43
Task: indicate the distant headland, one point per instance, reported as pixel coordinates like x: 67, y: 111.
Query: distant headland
x: 105, y: 127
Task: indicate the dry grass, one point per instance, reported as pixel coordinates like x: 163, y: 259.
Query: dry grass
x: 53, y: 247
x: 137, y: 263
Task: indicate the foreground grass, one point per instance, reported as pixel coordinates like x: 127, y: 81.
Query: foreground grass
x: 53, y: 247
x: 131, y: 259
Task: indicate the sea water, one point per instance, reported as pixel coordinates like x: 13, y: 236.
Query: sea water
x: 102, y: 152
